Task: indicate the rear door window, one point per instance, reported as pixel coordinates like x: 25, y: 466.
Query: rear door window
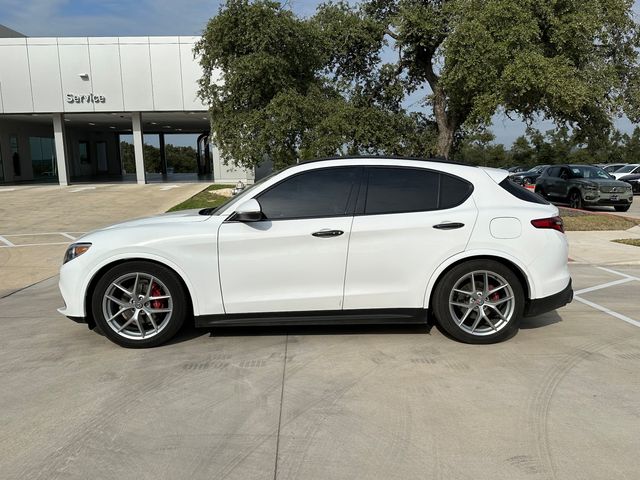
x: 403, y: 190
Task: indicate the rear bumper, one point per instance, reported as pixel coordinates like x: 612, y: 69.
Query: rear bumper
x: 539, y: 306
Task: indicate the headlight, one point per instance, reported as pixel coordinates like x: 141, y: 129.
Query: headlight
x: 75, y: 250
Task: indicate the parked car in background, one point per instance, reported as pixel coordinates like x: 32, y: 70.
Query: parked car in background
x: 611, y: 167
x: 530, y: 176
x: 517, y: 169
x: 335, y: 241
x: 627, y: 170
x: 584, y: 185
x: 633, y: 180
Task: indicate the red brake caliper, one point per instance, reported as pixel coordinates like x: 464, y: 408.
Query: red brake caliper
x: 494, y: 297
x: 156, y: 292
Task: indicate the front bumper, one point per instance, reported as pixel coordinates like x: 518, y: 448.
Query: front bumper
x: 604, y: 199
x: 539, y: 306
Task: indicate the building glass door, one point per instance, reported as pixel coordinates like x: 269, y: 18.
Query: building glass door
x: 43, y: 158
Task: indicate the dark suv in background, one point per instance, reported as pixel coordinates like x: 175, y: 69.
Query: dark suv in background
x: 528, y: 177
x: 582, y: 186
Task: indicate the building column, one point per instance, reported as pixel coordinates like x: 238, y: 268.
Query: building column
x: 138, y: 150
x: 60, y: 140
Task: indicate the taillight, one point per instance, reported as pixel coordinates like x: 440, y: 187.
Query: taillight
x: 554, y: 223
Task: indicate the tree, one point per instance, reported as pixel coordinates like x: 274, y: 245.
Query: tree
x: 573, y: 62
x: 296, y: 87
x: 278, y: 100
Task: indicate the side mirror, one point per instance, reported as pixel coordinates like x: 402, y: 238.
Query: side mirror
x: 248, y: 211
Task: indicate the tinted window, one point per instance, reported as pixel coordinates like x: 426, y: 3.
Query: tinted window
x: 316, y: 193
x: 553, y: 172
x: 453, y: 191
x: 522, y: 193
x: 398, y: 190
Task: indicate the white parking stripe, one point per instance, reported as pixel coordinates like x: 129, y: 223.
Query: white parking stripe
x: 6, y: 242
x: 67, y: 235
x: 608, y: 311
x: 169, y: 187
x: 33, y: 244
x: 81, y: 189
x: 604, y: 285
x: 619, y: 273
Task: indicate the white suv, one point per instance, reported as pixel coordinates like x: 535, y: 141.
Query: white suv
x: 345, y: 240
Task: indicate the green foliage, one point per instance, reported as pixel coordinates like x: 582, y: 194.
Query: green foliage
x: 284, y: 87
x: 551, y: 147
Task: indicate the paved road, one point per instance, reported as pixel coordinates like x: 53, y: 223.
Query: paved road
x: 38, y: 222
x: 561, y: 400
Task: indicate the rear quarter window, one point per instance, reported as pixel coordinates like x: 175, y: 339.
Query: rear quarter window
x: 522, y: 193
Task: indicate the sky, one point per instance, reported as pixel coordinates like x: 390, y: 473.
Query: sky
x: 58, y: 18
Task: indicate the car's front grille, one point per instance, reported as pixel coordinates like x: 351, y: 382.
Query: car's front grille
x: 609, y: 189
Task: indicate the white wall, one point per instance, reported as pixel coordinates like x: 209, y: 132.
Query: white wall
x: 125, y: 73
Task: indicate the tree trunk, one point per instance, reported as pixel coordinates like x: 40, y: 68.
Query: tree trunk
x: 446, y: 125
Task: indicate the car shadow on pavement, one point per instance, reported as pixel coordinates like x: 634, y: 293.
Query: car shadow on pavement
x: 189, y: 331
x: 540, y: 320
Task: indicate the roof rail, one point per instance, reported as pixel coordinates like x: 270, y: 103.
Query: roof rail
x: 386, y: 157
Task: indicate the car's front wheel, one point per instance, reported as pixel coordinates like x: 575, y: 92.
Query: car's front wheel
x: 479, y: 301
x: 575, y: 199
x: 139, y: 304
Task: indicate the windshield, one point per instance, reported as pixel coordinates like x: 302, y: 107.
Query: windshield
x: 589, y: 172
x: 628, y: 168
x: 237, y: 198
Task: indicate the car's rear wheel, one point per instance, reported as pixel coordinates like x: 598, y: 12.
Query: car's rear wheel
x: 622, y: 208
x: 480, y: 301
x: 575, y: 199
x: 139, y: 304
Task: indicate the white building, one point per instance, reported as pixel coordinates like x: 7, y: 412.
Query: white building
x: 66, y: 104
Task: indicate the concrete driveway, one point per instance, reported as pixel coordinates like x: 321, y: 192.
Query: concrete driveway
x: 561, y: 400
x: 38, y: 222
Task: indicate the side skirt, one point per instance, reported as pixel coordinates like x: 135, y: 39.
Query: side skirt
x: 322, y: 317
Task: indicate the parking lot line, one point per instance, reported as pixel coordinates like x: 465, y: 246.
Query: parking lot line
x: 618, y: 273
x: 34, y: 245
x: 6, y: 242
x: 608, y: 311
x: 71, y: 237
x: 604, y: 285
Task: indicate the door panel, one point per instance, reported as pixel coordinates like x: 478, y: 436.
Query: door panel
x: 277, y: 266
x: 391, y: 257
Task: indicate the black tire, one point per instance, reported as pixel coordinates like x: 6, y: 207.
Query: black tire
x: 170, y: 282
x: 526, y: 181
x: 540, y: 191
x: 575, y: 199
x: 444, y: 315
x: 622, y: 208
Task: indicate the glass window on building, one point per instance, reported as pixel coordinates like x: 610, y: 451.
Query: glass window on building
x: 43, y: 158
x: 1, y: 166
x: 15, y: 155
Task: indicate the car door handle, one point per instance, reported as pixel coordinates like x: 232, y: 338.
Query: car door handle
x: 449, y: 225
x: 327, y: 233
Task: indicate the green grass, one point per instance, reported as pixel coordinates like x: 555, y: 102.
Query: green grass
x: 204, y: 199
x: 628, y: 241
x: 581, y: 221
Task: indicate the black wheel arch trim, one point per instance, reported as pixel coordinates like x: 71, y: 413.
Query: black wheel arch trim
x: 507, y: 263
x: 88, y: 319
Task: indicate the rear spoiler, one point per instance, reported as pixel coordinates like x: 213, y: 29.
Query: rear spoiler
x: 497, y: 174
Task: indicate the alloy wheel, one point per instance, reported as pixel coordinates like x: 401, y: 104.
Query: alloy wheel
x: 137, y: 306
x: 482, y: 303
